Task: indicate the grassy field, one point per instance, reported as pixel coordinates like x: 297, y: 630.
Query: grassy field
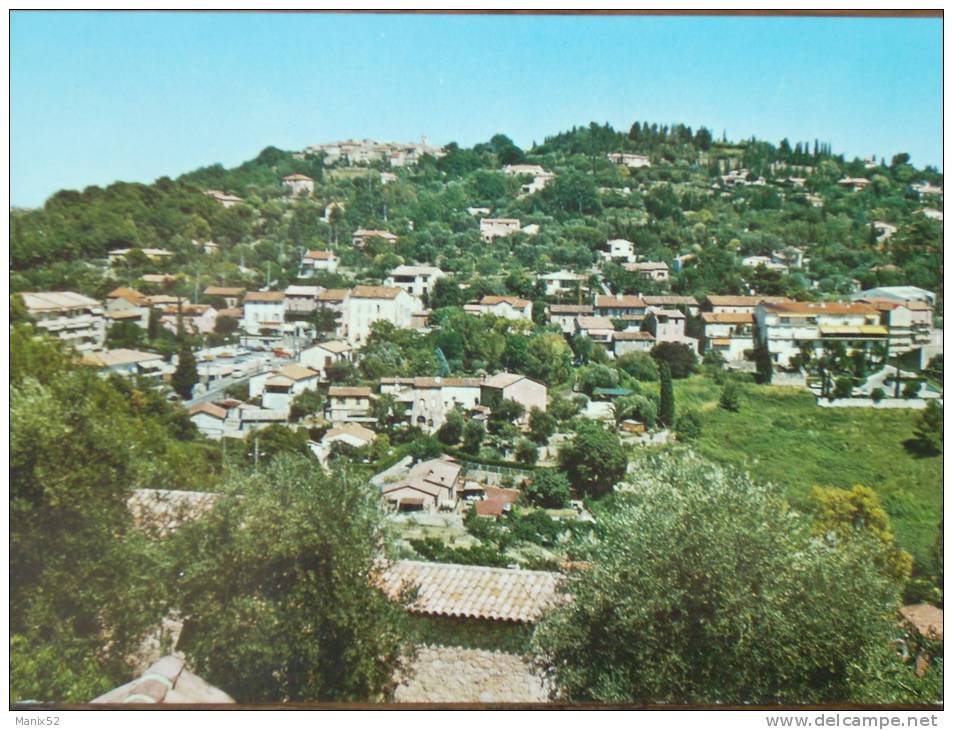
x: 780, y: 435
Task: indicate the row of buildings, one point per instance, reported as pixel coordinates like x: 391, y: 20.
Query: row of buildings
x: 364, y: 151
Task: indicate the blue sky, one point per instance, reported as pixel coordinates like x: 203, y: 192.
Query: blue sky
x: 99, y: 97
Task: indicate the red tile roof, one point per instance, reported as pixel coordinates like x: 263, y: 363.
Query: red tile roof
x: 474, y: 591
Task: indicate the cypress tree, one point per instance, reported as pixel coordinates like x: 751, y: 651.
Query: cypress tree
x: 186, y: 373
x: 666, y: 408
x: 153, y: 328
x: 764, y: 368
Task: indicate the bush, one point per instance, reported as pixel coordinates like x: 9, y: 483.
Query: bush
x: 564, y: 409
x: 877, y: 395
x: 638, y: 407
x: 452, y: 429
x: 473, y: 434
x: 929, y: 431
x: 549, y: 488
x: 638, y: 365
x: 843, y: 386
x: 526, y: 452
x: 730, y: 397
x: 922, y: 590
x: 306, y: 404
x: 536, y: 527
x: 689, y: 426
x: 911, y: 389
x: 678, y: 356
x: 434, y: 550
x: 594, y: 460
x: 542, y: 425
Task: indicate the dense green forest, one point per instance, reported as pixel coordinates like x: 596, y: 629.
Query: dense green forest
x: 676, y: 206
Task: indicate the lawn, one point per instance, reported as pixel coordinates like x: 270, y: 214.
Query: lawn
x: 781, y: 436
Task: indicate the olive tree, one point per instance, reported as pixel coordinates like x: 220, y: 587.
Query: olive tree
x: 278, y: 589
x: 707, y: 588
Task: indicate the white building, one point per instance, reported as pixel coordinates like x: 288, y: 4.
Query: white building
x: 651, y: 270
x: 349, y: 404
x: 195, y: 318
x: 753, y: 262
x: 428, y: 401
x: 427, y: 486
x: 224, y: 198
x: 118, y: 255
x: 415, y: 280
x: 321, y: 356
x: 514, y: 170
x: 788, y: 328
x: 71, y: 317
x: 687, y: 304
x: 127, y: 305
x: 280, y: 387
x: 909, y: 324
x: 565, y: 315
x: 597, y: 329
x: 298, y: 184
x: 351, y: 434
x: 632, y: 341
x: 513, y: 386
x: 363, y: 151
x: 301, y: 300
x: 362, y: 235
x: 127, y: 362
x: 231, y: 294
x: 629, y: 160
x: 897, y: 294
x: 502, y: 306
x: 667, y: 325
x: 368, y: 304
x: 730, y: 333
x: 491, y: 228
x: 314, y: 261
x: 263, y: 310
x: 925, y: 188
x: 562, y: 282
x: 619, y: 248
x: 621, y: 306
x: 731, y: 303
x: 790, y: 256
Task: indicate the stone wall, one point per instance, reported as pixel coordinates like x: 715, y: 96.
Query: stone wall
x: 450, y: 674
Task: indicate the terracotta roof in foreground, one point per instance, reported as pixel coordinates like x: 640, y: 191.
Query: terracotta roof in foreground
x: 474, y: 591
x: 925, y: 618
x: 166, y: 682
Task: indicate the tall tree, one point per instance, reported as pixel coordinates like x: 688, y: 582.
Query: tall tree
x: 594, y: 460
x: 186, y: 373
x: 83, y: 580
x: 666, y: 406
x: 279, y: 590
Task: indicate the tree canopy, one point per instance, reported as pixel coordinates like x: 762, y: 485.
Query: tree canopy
x: 707, y: 588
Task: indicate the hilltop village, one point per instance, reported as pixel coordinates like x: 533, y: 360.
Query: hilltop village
x: 516, y: 370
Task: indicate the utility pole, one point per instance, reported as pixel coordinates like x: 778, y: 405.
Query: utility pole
x: 256, y: 453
